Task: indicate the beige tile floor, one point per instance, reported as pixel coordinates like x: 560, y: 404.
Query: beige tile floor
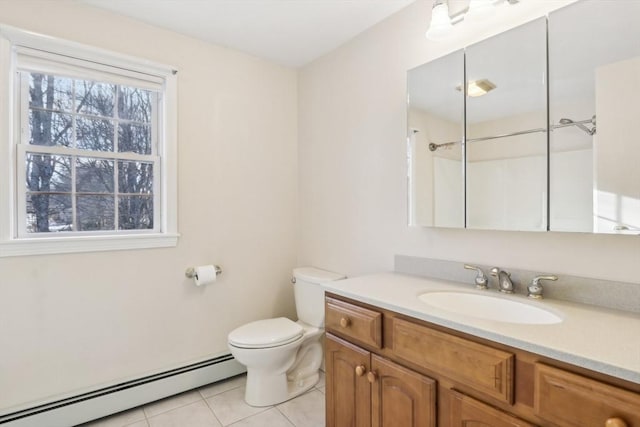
x: 222, y: 404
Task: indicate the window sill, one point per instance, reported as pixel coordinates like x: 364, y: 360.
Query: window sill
x: 80, y: 244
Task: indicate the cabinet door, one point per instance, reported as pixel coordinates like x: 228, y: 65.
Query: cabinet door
x: 468, y: 412
x: 348, y: 393
x: 400, y: 397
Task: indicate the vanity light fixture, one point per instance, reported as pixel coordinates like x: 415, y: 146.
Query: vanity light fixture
x: 478, y: 87
x: 442, y: 23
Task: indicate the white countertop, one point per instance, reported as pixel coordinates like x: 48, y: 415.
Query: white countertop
x: 603, y: 340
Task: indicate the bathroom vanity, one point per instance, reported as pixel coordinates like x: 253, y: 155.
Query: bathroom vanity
x: 392, y: 360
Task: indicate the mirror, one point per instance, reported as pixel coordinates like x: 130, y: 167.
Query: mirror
x: 435, y: 116
x: 594, y: 93
x: 506, y: 134
x: 567, y: 163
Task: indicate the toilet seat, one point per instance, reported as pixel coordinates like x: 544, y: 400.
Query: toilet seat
x: 266, y: 333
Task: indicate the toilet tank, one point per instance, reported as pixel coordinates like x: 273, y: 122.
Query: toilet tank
x: 309, y: 293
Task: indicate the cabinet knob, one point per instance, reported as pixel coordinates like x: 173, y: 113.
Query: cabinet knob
x: 615, y: 422
x: 345, y: 322
x: 360, y: 370
x: 372, y: 376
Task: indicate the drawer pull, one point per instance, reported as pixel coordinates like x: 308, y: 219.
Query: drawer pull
x: 372, y: 376
x: 615, y: 422
x: 345, y: 322
x: 360, y: 370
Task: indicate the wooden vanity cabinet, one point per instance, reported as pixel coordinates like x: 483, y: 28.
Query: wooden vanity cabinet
x: 385, y: 369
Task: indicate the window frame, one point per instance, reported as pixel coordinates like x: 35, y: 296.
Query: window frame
x: 59, y: 54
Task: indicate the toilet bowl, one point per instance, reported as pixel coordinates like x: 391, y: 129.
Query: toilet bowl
x: 283, y: 357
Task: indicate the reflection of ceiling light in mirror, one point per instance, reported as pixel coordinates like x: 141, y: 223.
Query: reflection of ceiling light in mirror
x: 440, y: 25
x: 478, y: 87
x: 478, y: 11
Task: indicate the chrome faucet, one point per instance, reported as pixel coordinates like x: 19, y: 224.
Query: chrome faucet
x: 504, y: 280
x: 480, y: 280
x: 535, y: 288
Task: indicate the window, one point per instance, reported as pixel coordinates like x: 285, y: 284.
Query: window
x: 87, y: 156
x: 90, y: 159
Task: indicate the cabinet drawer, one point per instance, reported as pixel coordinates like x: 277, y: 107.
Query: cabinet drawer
x: 358, y: 323
x: 567, y: 399
x: 465, y: 411
x: 477, y: 366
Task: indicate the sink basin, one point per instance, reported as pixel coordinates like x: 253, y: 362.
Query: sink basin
x: 489, y: 307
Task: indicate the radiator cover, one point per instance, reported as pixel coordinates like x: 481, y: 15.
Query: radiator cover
x: 130, y: 394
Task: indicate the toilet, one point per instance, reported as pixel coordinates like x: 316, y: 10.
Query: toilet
x: 283, y: 357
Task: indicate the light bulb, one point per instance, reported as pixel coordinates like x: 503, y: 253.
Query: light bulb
x: 440, y: 25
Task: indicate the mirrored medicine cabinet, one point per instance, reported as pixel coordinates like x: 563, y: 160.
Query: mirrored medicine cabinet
x: 515, y: 150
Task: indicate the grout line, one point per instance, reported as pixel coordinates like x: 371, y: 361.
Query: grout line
x: 222, y: 382
x: 218, y: 393
x: 213, y: 412
x: 285, y: 416
x: 264, y: 409
x: 168, y: 398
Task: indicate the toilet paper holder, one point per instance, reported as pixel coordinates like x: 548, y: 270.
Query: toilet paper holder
x: 191, y: 271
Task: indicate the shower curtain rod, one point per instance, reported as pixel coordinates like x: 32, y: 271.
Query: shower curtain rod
x: 434, y: 147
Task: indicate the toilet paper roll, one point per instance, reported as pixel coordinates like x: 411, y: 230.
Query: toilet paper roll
x: 204, y: 275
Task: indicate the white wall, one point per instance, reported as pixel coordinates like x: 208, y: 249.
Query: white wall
x: 70, y: 322
x: 352, y: 163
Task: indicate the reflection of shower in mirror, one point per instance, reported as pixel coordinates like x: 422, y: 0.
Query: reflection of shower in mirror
x: 564, y: 122
x: 447, y: 145
x: 626, y: 229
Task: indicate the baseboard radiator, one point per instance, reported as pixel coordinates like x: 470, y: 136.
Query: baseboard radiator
x: 110, y: 400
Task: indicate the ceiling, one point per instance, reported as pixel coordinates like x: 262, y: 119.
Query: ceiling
x: 288, y: 32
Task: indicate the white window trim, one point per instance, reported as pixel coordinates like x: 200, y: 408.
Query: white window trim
x: 10, y: 245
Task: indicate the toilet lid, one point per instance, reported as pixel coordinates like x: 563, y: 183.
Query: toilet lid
x: 266, y: 333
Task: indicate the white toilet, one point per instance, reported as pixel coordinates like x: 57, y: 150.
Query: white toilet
x: 282, y: 356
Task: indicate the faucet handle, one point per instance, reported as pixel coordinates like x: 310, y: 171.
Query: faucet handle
x: 480, y: 280
x: 535, y: 288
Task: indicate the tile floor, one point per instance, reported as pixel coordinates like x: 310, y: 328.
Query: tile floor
x: 222, y: 404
